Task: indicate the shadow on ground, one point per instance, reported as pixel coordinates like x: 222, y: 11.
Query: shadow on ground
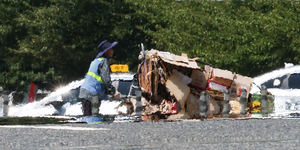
x: 31, y: 120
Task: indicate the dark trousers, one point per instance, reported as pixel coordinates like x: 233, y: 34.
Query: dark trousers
x: 91, y: 107
x: 86, y: 107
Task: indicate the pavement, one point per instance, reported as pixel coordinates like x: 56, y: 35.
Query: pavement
x: 185, y: 134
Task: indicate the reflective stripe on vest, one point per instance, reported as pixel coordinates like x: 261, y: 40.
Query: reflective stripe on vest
x: 98, y: 78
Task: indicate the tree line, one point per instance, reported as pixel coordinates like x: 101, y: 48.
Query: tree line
x: 54, y: 41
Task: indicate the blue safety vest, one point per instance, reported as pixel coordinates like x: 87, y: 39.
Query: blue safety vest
x: 92, y: 80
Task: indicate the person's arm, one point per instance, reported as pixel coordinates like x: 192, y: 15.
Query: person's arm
x: 104, y: 72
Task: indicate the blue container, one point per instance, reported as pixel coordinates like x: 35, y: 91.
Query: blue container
x: 93, y: 119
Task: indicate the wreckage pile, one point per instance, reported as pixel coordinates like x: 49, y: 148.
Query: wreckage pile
x: 172, y: 85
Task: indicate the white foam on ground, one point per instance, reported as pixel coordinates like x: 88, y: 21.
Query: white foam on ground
x: 30, y: 109
x: 74, y: 109
x: 39, y: 108
x: 283, y: 114
x: 107, y: 108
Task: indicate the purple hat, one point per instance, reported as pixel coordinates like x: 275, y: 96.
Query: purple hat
x: 105, y: 46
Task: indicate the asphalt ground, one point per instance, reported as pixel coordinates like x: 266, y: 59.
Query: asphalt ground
x: 187, y: 134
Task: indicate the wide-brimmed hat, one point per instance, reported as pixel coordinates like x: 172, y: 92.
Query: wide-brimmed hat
x: 105, y: 46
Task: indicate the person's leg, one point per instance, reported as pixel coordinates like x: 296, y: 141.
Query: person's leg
x: 95, y: 105
x: 86, y: 107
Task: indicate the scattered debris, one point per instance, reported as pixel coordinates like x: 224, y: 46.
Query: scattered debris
x: 171, y: 82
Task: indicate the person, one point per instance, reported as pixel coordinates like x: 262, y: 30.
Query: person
x: 97, y: 81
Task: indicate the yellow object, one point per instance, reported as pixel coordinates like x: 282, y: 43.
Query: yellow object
x: 256, y: 107
x: 119, y: 68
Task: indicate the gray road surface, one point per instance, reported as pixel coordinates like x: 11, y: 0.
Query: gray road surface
x: 212, y: 134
